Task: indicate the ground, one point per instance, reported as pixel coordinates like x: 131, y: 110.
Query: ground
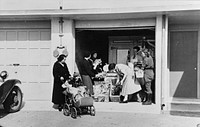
x: 44, y: 117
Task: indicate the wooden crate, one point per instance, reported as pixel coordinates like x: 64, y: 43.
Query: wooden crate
x: 114, y: 98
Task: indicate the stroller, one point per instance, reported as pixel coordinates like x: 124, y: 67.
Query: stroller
x: 77, y: 100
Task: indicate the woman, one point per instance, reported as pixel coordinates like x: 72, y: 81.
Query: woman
x: 60, y: 74
x: 127, y: 81
x: 96, y: 62
x: 87, y: 72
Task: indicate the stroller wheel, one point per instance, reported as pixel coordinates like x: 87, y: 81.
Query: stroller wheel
x: 73, y: 112
x: 66, y: 110
x: 92, y: 111
x: 79, y: 111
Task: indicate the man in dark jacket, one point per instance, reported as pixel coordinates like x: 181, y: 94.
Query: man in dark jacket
x: 61, y: 74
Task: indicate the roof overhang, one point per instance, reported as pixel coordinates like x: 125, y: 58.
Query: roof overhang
x: 178, y: 15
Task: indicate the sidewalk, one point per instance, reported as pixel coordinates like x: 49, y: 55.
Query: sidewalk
x: 132, y: 107
x: 111, y: 114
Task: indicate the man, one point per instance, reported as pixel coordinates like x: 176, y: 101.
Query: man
x: 148, y: 65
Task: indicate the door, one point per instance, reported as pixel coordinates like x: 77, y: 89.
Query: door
x: 183, y: 64
x: 120, y: 49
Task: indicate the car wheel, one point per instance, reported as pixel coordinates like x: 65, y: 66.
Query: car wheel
x: 13, y: 102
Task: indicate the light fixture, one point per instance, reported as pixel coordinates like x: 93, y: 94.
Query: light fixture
x: 61, y: 32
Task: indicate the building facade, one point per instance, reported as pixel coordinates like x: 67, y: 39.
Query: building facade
x: 31, y: 32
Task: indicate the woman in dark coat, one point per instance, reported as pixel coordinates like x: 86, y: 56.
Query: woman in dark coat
x: 60, y: 74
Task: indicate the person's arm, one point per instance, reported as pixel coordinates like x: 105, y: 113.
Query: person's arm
x: 67, y: 73
x: 123, y: 78
x: 123, y: 72
x: 88, y: 69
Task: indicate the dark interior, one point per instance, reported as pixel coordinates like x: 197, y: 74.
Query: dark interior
x: 98, y: 40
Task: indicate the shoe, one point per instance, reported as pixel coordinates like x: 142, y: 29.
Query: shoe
x: 147, y: 103
x: 124, y: 101
x: 121, y: 98
x: 60, y: 107
x: 55, y: 106
x: 148, y: 100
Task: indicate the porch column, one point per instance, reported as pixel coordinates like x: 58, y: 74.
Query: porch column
x: 158, y: 59
x: 68, y: 41
x: 54, y: 43
x: 165, y: 64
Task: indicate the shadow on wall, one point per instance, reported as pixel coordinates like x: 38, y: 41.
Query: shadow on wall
x: 181, y: 84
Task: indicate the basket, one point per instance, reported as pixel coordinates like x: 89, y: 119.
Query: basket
x: 84, y: 101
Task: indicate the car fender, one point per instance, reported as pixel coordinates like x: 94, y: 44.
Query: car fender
x: 6, y: 87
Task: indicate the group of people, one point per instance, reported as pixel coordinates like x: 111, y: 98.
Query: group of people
x: 90, y: 66
x: 137, y: 75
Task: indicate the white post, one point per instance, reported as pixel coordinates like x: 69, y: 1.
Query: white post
x: 55, y: 41
x: 69, y: 43
x: 165, y: 62
x: 158, y: 59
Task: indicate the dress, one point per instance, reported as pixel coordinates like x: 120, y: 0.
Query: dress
x: 87, y: 73
x: 129, y: 86
x: 59, y: 70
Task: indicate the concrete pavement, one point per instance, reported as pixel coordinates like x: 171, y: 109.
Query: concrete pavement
x: 41, y: 114
x: 132, y: 107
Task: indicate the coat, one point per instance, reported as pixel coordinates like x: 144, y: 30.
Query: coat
x: 148, y: 71
x: 59, y: 71
x: 87, y: 73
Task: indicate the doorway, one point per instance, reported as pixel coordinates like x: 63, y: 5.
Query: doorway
x: 113, y: 46
x: 183, y: 64
x: 105, y: 42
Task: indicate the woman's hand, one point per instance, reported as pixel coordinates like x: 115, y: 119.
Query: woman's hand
x: 118, y: 83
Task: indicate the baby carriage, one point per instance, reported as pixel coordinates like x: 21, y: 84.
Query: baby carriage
x: 77, y: 101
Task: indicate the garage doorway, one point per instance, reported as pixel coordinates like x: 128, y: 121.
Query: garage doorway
x: 113, y: 45
x: 100, y: 40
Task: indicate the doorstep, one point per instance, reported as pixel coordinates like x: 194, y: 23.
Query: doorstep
x: 185, y: 107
